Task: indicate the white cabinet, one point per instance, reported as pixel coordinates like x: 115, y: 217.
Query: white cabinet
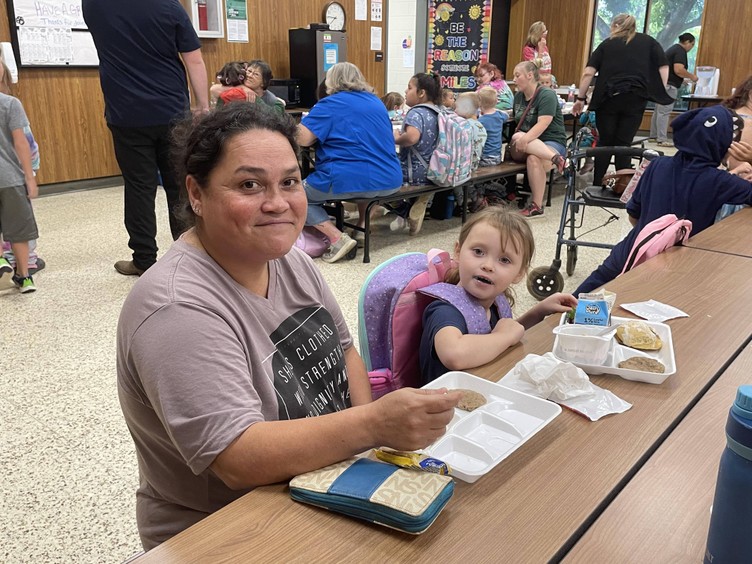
x: 208, y: 17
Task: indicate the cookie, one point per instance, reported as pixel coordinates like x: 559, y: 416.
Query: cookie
x: 638, y: 335
x: 643, y: 364
x: 470, y: 400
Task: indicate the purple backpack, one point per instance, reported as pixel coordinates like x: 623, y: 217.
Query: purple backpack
x: 657, y: 236
x: 312, y: 242
x: 390, y: 317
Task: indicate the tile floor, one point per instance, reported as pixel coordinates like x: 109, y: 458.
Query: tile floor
x: 67, y: 461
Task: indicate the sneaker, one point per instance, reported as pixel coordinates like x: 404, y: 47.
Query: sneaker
x: 127, y: 268
x: 587, y: 167
x: 39, y: 266
x: 532, y: 210
x: 417, y: 215
x: 5, y: 267
x: 398, y: 224
x: 340, y: 249
x: 24, y: 283
x: 665, y: 144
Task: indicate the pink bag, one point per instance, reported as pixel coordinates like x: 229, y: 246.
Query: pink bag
x: 657, y: 236
x: 312, y: 242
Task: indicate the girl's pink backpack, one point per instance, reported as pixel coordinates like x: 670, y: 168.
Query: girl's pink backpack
x: 657, y: 236
x: 390, y: 317
x: 312, y: 242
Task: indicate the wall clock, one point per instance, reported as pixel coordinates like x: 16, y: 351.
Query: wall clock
x: 334, y: 15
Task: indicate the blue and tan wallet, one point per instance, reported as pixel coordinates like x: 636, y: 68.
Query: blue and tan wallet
x: 406, y: 500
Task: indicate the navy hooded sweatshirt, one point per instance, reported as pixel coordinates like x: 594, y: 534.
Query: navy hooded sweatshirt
x: 689, y: 184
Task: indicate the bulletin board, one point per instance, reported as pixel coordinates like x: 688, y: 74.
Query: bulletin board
x: 50, y: 33
x: 459, y: 32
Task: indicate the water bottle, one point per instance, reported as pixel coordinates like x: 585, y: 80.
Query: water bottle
x: 449, y: 211
x: 570, y: 93
x: 730, y: 534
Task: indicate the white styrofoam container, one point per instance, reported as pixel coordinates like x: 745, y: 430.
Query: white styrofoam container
x: 579, y: 343
x: 618, y: 352
x: 476, y: 441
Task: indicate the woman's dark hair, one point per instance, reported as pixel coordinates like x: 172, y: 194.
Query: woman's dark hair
x: 265, y: 70
x: 686, y: 37
x: 198, y: 144
x: 232, y: 74
x: 742, y: 94
x: 431, y: 84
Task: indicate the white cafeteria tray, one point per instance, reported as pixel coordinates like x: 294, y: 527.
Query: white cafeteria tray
x: 619, y: 352
x: 476, y: 441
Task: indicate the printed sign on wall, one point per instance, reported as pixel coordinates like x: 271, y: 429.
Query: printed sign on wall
x: 458, y: 36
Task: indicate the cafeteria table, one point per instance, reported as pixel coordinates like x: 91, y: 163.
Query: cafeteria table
x: 731, y: 235
x: 663, y: 514
x: 539, y: 502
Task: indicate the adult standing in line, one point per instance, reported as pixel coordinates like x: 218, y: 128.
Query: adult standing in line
x: 677, y: 72
x: 536, y: 47
x: 632, y: 69
x: 140, y: 44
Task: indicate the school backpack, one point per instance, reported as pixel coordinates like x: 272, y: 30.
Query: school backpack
x: 390, y: 317
x: 312, y: 242
x: 452, y: 158
x: 657, y: 236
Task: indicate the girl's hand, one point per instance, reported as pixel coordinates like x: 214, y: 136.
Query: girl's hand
x: 557, y: 303
x: 32, y: 190
x: 743, y: 170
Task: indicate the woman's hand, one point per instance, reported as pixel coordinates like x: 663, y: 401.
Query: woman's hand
x: 579, y: 105
x: 519, y: 141
x: 410, y: 419
x: 741, y: 151
x: 250, y: 95
x: 743, y: 170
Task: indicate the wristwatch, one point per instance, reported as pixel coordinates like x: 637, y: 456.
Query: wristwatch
x: 579, y: 99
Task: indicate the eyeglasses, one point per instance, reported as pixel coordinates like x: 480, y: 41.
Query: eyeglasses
x: 253, y: 73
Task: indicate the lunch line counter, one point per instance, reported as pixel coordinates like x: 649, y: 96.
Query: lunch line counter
x: 562, y: 493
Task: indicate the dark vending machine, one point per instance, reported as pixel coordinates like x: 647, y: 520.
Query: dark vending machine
x: 312, y: 53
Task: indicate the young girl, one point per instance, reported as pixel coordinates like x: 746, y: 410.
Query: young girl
x: 471, y: 323
x: 417, y: 140
x: 394, y: 102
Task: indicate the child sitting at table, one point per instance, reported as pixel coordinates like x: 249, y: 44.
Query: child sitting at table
x: 394, y: 102
x: 689, y: 184
x: 471, y: 323
x: 493, y: 121
x: 448, y: 100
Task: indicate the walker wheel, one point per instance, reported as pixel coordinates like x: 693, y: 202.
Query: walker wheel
x: 544, y: 281
x: 571, y: 259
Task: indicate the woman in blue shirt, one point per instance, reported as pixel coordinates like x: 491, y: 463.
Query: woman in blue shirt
x: 355, y: 155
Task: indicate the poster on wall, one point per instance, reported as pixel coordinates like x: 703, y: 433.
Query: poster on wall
x: 237, y: 21
x: 458, y: 36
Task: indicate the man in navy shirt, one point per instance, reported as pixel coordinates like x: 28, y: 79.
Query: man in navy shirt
x: 145, y: 48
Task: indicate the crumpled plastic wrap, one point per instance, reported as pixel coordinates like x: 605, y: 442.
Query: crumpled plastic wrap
x: 564, y: 383
x: 654, y: 311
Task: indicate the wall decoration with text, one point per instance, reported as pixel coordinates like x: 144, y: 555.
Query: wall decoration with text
x: 458, y: 35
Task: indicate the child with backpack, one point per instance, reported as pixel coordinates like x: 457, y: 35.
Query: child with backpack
x: 689, y: 185
x: 419, y: 134
x: 470, y: 323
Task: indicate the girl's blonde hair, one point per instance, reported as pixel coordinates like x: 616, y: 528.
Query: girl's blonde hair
x: 513, y: 229
x: 346, y: 77
x: 535, y: 33
x: 393, y: 100
x: 6, y: 82
x: 623, y: 26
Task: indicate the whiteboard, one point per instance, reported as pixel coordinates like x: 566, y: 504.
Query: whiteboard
x: 51, y: 33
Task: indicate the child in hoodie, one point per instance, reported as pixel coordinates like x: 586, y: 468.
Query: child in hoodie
x: 689, y: 184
